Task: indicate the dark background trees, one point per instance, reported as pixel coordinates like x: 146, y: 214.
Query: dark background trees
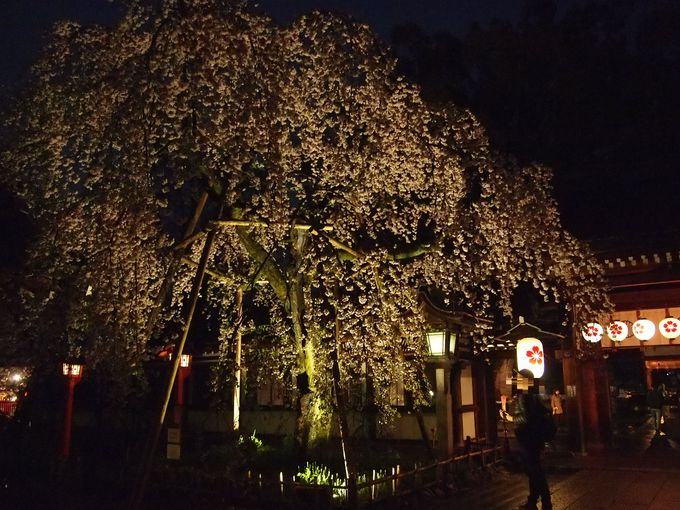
x: 592, y: 92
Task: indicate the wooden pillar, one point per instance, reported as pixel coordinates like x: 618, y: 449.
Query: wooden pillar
x: 444, y: 408
x: 569, y: 367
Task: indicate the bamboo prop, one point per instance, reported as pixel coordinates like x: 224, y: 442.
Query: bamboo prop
x: 237, y: 367
x: 152, y: 443
x: 350, y: 471
x: 165, y: 286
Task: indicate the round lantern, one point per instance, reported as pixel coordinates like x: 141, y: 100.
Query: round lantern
x: 669, y: 328
x: 643, y: 329
x: 530, y: 356
x: 592, y: 332
x: 617, y: 331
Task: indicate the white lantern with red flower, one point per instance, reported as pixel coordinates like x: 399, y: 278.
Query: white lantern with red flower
x: 530, y: 356
x: 643, y: 329
x: 617, y: 331
x: 669, y: 328
x: 592, y: 332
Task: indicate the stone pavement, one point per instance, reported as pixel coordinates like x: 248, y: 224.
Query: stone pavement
x: 641, y: 471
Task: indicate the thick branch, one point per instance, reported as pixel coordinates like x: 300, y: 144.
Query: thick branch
x: 221, y: 276
x: 268, y: 267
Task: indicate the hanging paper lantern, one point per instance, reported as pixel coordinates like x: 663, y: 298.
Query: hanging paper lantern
x: 617, y: 331
x: 643, y: 329
x: 592, y: 332
x: 530, y: 356
x: 669, y: 327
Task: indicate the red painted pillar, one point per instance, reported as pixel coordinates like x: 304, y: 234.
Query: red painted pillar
x: 181, y: 375
x: 178, y: 410
x: 68, y: 417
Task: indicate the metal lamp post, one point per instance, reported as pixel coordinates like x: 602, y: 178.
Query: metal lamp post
x: 73, y: 372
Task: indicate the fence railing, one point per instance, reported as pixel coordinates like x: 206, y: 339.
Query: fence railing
x: 367, y: 489
x: 447, y: 472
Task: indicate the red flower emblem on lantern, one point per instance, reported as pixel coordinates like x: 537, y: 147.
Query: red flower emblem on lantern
x: 670, y: 326
x: 535, y: 356
x: 615, y: 329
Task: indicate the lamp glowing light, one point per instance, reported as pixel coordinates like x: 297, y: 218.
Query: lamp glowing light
x: 592, y: 332
x: 73, y: 373
x: 185, y: 361
x: 643, y: 329
x: 72, y: 370
x: 436, y: 341
x: 530, y: 356
x: 669, y: 328
x: 617, y: 331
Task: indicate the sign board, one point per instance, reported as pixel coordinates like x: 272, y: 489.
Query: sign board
x: 174, y: 435
x: 464, y: 344
x: 173, y: 451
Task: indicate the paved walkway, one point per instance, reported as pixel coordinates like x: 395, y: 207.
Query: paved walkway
x: 641, y: 472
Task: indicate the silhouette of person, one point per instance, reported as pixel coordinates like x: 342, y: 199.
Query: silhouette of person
x: 655, y: 398
x: 529, y: 418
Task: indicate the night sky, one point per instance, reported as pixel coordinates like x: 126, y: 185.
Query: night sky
x: 621, y: 189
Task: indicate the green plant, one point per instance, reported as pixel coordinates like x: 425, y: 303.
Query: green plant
x: 317, y: 474
x: 250, y: 442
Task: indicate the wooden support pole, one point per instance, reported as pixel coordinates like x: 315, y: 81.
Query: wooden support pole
x: 237, y: 362
x: 174, y: 263
x: 341, y: 409
x: 152, y: 442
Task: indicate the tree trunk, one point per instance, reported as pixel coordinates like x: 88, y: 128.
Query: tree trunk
x: 289, y: 290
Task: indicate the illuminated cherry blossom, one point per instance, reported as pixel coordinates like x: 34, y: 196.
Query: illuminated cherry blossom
x: 353, y: 196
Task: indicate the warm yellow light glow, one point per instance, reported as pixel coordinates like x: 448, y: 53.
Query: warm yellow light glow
x: 643, y: 329
x: 436, y: 341
x: 669, y: 328
x: 185, y: 361
x: 617, y: 331
x: 530, y: 356
x: 16, y: 377
x: 71, y: 369
x: 592, y: 332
